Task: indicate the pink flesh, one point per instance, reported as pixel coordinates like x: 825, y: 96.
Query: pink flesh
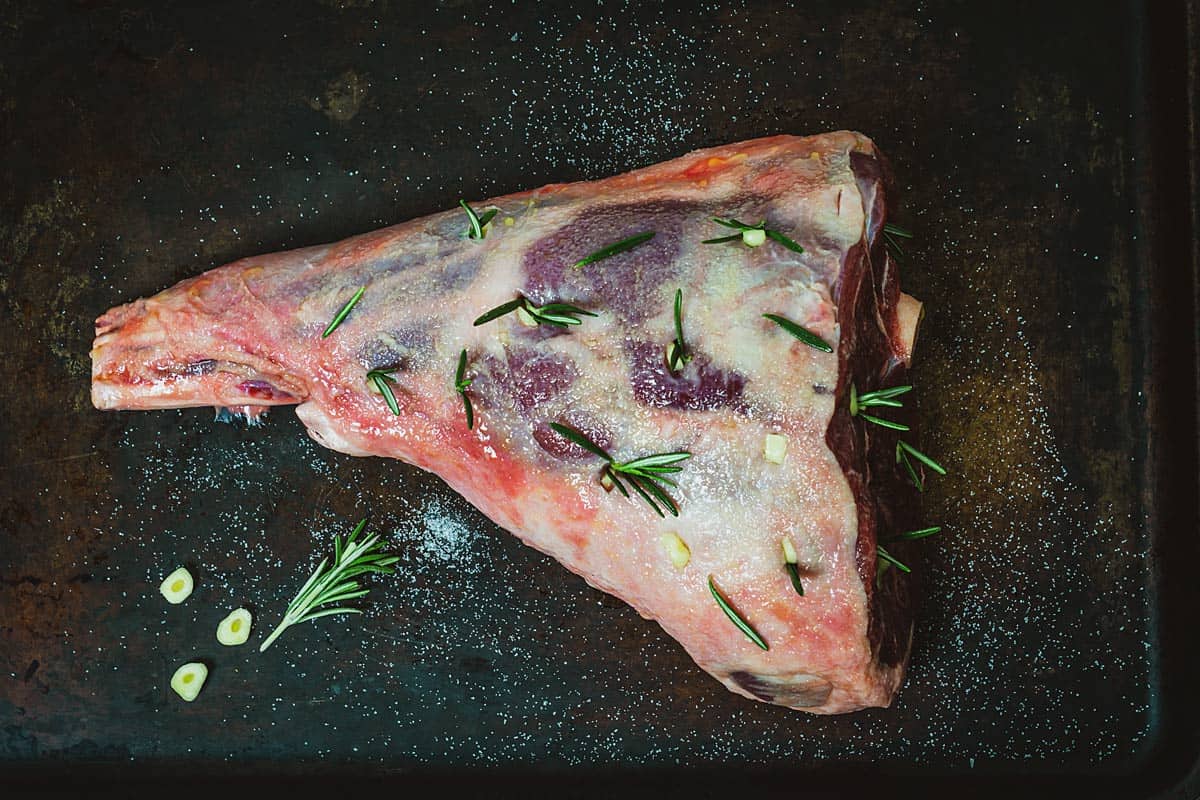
x: 249, y: 334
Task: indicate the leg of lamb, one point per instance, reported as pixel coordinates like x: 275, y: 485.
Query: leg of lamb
x: 620, y: 334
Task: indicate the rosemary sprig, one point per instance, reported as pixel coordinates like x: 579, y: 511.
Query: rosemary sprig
x: 614, y: 248
x: 880, y: 397
x: 752, y: 235
x: 477, y: 222
x: 341, y: 315
x: 908, y: 536
x: 382, y: 378
x: 891, y: 559
x: 460, y: 386
x: 560, y: 314
x: 643, y: 474
x: 338, y: 583
x: 892, y: 234
x: 735, y: 617
x: 803, y: 334
x: 678, y: 353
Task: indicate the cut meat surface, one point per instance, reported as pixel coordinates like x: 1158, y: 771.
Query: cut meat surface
x: 248, y: 335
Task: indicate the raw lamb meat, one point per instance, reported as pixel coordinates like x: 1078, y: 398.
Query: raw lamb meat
x: 249, y: 335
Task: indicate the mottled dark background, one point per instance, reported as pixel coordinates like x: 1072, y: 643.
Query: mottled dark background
x: 1042, y: 153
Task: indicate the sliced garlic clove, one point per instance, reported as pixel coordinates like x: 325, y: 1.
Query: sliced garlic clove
x: 177, y: 586
x: 789, y: 552
x: 526, y: 318
x: 189, y: 679
x: 677, y: 549
x: 775, y: 448
x: 235, y: 628
x: 754, y: 237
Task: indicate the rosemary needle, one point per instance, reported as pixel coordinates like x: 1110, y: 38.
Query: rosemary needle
x: 885, y: 423
x: 341, y: 315
x: 383, y: 379
x: 614, y: 248
x: 891, y: 559
x: 793, y: 571
x: 905, y: 447
x: 910, y: 536
x: 902, y: 458
x: 499, y: 311
x: 721, y: 239
x: 735, y: 617
x: 338, y: 582
x: 801, y: 333
x: 789, y: 563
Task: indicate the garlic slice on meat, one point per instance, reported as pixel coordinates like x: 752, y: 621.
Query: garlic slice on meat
x: 754, y: 237
x: 775, y: 448
x: 677, y: 549
x: 789, y: 552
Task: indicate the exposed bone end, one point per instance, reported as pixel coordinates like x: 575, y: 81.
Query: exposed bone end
x: 325, y: 431
x: 909, y: 313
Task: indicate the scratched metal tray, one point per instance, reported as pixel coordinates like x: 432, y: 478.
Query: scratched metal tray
x: 1043, y: 159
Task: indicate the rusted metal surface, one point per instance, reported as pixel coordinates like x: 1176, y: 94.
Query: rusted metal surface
x: 141, y: 143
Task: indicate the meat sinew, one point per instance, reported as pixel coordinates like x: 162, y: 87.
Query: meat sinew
x: 250, y: 335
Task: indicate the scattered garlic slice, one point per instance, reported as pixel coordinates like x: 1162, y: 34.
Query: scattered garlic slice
x: 177, y: 586
x: 189, y: 679
x: 235, y: 628
x: 775, y: 448
x: 677, y: 549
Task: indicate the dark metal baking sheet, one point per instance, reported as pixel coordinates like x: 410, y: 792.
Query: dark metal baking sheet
x: 1043, y: 154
